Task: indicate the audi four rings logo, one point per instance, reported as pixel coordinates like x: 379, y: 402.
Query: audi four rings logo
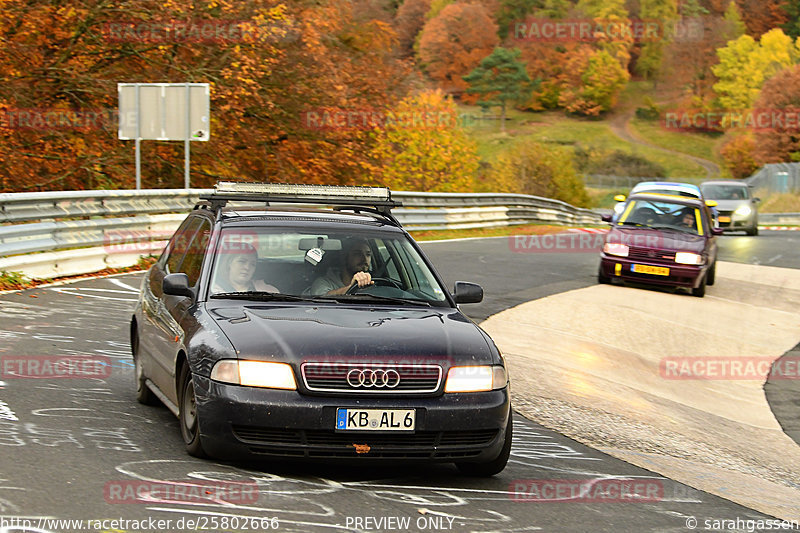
x: 377, y: 378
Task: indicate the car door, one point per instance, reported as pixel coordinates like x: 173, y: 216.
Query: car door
x: 178, y: 310
x: 151, y: 330
x: 163, y: 326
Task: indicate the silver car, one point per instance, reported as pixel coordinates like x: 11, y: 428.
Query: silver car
x: 736, y: 205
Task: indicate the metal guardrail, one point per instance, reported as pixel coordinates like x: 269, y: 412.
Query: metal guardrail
x: 50, y: 234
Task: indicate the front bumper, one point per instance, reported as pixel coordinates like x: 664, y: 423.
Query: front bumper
x: 733, y: 222
x: 237, y: 421
x: 688, y: 276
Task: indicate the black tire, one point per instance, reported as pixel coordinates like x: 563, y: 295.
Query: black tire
x: 601, y: 279
x: 700, y: 291
x: 189, y: 421
x: 495, y: 466
x: 712, y: 274
x: 753, y: 231
x: 143, y: 393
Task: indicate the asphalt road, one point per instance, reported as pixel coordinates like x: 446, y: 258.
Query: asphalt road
x: 77, y: 448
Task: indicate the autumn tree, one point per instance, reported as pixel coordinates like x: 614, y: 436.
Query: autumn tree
x: 780, y: 142
x: 454, y: 42
x: 423, y: 148
x: 666, y: 12
x: 745, y: 64
x: 761, y: 16
x: 594, y: 82
x: 500, y: 80
x: 282, y: 59
x: 737, y: 155
x: 409, y: 22
x: 514, y: 11
x: 792, y: 24
x: 529, y: 167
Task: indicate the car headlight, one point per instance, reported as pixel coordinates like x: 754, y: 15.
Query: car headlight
x: 614, y: 248
x: 743, y: 210
x: 475, y: 378
x: 254, y: 374
x: 619, y: 208
x: 688, y: 258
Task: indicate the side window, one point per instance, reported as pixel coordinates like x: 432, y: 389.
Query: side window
x: 180, y: 242
x: 193, y: 260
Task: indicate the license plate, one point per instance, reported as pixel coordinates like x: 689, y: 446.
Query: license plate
x: 724, y: 219
x: 647, y: 269
x: 376, y: 419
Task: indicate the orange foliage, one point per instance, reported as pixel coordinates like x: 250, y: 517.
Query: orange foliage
x: 292, y: 57
x: 454, y: 42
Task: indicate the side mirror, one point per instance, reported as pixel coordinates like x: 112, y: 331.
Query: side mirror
x: 756, y: 199
x: 606, y: 218
x: 711, y: 203
x: 619, y: 198
x: 177, y: 285
x: 467, y: 293
x: 717, y: 231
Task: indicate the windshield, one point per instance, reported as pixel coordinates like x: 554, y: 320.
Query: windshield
x: 662, y: 215
x: 725, y: 192
x: 260, y: 262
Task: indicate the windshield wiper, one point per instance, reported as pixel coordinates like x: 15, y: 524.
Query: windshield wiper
x: 263, y: 295
x: 367, y: 296
x: 675, y: 228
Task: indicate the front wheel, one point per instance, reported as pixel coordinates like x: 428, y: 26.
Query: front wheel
x: 187, y: 409
x: 494, y: 466
x: 712, y: 274
x: 700, y: 291
x: 601, y: 278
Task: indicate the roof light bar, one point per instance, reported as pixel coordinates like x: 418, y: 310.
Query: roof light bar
x: 333, y: 192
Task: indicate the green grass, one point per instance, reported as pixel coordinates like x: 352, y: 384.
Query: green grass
x: 696, y: 144
x: 555, y: 128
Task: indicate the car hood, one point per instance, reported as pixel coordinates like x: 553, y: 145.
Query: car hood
x: 730, y: 205
x: 341, y: 333
x: 657, y: 239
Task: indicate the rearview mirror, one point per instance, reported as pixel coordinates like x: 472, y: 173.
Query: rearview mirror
x: 620, y: 198
x: 467, y: 293
x: 177, y: 285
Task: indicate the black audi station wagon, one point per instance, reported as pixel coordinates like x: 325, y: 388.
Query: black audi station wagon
x: 316, y: 331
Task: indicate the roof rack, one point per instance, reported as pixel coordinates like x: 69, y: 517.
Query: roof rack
x: 373, y: 199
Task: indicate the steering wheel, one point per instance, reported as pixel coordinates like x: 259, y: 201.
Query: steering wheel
x: 354, y: 288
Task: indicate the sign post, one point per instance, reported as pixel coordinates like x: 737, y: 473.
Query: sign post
x: 164, y: 112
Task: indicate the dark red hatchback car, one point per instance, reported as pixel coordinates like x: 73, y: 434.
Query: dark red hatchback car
x: 661, y: 240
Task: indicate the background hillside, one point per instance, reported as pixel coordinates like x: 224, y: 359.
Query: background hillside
x: 374, y: 91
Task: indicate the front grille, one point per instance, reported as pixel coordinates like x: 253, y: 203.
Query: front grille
x: 378, y: 379
x: 328, y: 443
x: 648, y: 254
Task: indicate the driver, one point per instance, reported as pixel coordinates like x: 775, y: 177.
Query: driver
x: 354, y: 270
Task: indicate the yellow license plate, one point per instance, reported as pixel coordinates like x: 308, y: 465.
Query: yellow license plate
x: 647, y: 269
x: 724, y: 219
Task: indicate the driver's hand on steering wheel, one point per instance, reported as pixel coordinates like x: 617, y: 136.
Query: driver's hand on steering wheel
x: 362, y: 279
